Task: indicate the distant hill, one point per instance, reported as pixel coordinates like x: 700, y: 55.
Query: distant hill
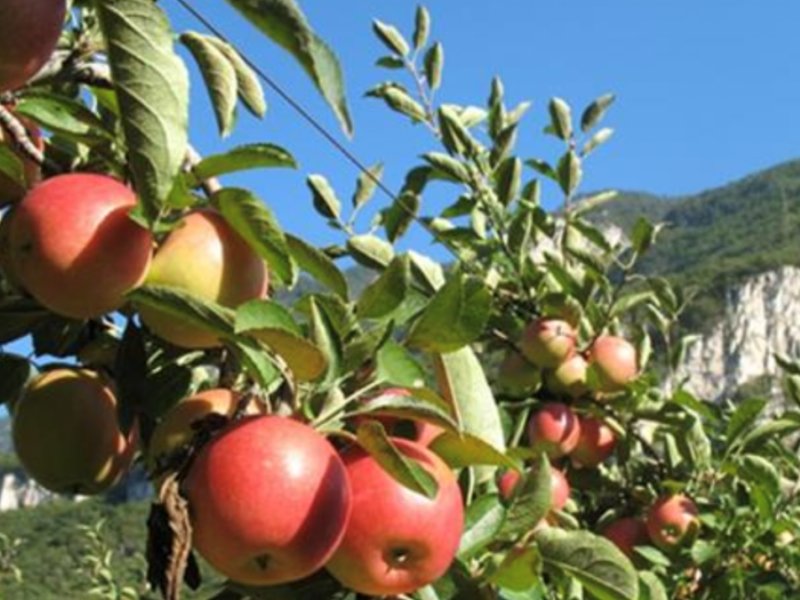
x: 5, y: 436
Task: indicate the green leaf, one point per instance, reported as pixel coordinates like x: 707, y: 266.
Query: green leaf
x: 519, y: 570
x: 482, y: 522
x: 643, y: 235
x: 391, y: 37
x: 595, y: 111
x: 597, y: 140
x: 18, y: 317
x: 760, y: 472
x: 455, y: 136
x: 593, y: 560
x: 219, y: 76
x: 258, y: 364
x: 241, y: 158
x: 387, y: 292
x: 466, y: 450
x: 462, y: 383
x: 530, y: 503
x: 248, y: 87
x: 14, y: 374
x: 367, y: 184
x: 560, y: 118
x: 324, y: 336
x: 11, y: 165
x: 255, y: 223
x: 152, y: 87
x: 399, y: 100
x: 318, y: 265
x: 426, y: 271
x: 400, y: 215
x: 64, y: 116
x: 362, y: 347
x: 304, y: 359
x: 397, y: 366
x: 325, y: 201
x: 455, y: 317
x: 370, y: 251
x: 422, y: 27
x: 744, y: 418
x: 417, y: 407
x: 570, y: 172
x: 372, y: 437
x: 390, y: 62
x: 434, y: 64
x: 650, y: 587
x: 284, y: 23
x: 509, y: 180
x: 264, y: 314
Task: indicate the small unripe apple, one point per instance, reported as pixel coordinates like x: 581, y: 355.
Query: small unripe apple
x: 74, y: 247
x: 269, y: 499
x: 397, y: 540
x: 672, y: 520
x: 613, y: 359
x: 595, y: 443
x: 29, y: 31
x: 548, y: 342
x: 66, y: 433
x: 204, y: 256
x: 626, y: 533
x: 10, y: 190
x: 517, y: 376
x: 569, y: 378
x: 554, y: 429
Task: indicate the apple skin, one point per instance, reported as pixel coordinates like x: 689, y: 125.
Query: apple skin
x: 554, y: 429
x: 548, y: 342
x: 508, y: 482
x: 29, y: 31
x: 517, y: 376
x: 66, y: 433
x: 10, y: 190
x: 75, y: 249
x: 595, y: 443
x: 614, y: 361
x: 269, y: 499
x: 569, y: 378
x: 626, y: 533
x: 398, y: 540
x: 671, y: 521
x: 205, y: 257
x: 175, y: 428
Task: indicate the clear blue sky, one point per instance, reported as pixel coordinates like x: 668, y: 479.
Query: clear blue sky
x: 707, y: 91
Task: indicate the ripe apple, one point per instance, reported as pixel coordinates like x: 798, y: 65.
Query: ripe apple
x: 517, y: 376
x: 269, y: 499
x: 554, y: 429
x: 74, y: 247
x: 569, y: 378
x: 66, y: 433
x: 595, y: 443
x: 508, y: 482
x: 671, y: 521
x: 547, y: 342
x: 398, y: 540
x: 613, y: 359
x: 205, y: 257
x: 10, y: 190
x: 626, y: 533
x: 175, y: 428
x: 29, y: 31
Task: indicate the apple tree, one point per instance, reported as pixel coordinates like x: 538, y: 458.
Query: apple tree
x: 503, y: 424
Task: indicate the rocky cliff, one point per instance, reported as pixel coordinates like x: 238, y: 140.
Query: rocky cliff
x: 762, y: 317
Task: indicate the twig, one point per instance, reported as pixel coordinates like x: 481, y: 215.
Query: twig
x: 211, y: 185
x: 21, y: 139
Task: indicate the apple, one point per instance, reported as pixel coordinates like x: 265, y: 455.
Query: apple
x: 569, y: 378
x: 175, y: 428
x: 517, y: 376
x: 554, y: 429
x: 508, y: 482
x: 66, y: 433
x: 548, y: 342
x: 205, y: 257
x: 10, y: 190
x: 671, y: 521
x: 398, y: 540
x: 269, y: 499
x: 596, y: 442
x: 626, y: 533
x: 75, y: 249
x: 29, y: 32
x: 613, y: 360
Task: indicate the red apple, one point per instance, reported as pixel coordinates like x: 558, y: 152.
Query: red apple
x: 66, y: 433
x: 614, y: 361
x: 75, y: 249
x: 29, y: 31
x: 569, y: 378
x: 560, y: 489
x: 671, y: 521
x: 595, y: 443
x: 398, y: 540
x: 626, y: 533
x: 547, y: 342
x: 205, y: 257
x: 10, y: 190
x: 269, y: 499
x: 508, y: 482
x: 517, y: 376
x: 554, y: 429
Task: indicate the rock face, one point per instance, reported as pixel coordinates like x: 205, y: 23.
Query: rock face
x: 762, y: 317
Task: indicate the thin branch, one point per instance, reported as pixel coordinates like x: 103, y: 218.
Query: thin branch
x: 211, y: 185
x: 21, y: 140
